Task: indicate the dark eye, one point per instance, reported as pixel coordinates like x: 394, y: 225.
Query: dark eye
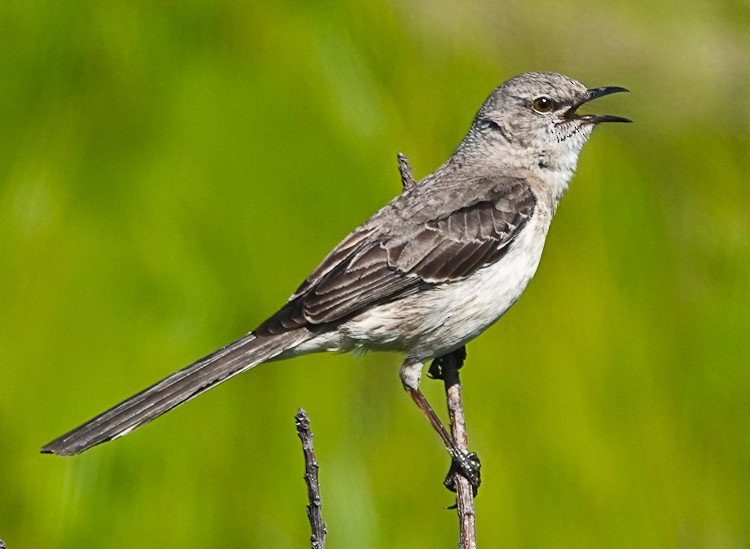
x: 543, y: 104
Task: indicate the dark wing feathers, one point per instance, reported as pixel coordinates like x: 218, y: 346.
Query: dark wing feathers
x: 407, y: 247
x: 352, y: 286
x: 340, y: 293
x: 349, y: 246
x: 467, y: 239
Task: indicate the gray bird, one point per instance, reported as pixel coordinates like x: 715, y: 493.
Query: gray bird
x: 429, y: 272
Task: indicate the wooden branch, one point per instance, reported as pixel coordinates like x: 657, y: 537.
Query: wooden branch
x: 464, y: 491
x: 314, y: 513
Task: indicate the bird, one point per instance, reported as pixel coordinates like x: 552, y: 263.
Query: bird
x: 427, y: 273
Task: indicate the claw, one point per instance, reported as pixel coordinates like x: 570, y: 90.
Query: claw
x: 435, y: 370
x: 468, y: 466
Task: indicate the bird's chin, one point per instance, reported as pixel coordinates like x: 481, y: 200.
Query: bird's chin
x: 574, y: 129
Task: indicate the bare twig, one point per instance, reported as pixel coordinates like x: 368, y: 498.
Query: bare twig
x: 314, y: 513
x: 464, y: 491
x: 407, y: 177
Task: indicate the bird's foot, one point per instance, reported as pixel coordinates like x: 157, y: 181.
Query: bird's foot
x: 435, y: 370
x: 468, y: 466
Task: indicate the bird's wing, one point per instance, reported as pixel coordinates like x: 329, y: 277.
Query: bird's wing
x: 418, y: 240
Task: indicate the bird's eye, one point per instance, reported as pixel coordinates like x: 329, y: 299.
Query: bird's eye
x: 543, y: 104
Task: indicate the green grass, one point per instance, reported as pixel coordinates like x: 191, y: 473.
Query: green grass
x: 169, y: 172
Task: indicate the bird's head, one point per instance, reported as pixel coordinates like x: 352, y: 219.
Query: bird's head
x: 536, y: 116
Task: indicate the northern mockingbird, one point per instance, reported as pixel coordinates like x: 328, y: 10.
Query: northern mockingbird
x: 427, y: 273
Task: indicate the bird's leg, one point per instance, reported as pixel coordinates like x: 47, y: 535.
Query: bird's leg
x: 446, y: 368
x: 464, y: 462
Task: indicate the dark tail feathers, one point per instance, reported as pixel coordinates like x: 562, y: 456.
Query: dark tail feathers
x: 172, y: 391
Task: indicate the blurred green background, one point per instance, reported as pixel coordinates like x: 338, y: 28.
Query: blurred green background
x: 172, y: 170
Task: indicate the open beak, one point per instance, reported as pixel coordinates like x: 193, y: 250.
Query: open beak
x: 596, y: 118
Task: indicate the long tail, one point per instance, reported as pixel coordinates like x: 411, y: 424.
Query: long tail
x: 197, y: 378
